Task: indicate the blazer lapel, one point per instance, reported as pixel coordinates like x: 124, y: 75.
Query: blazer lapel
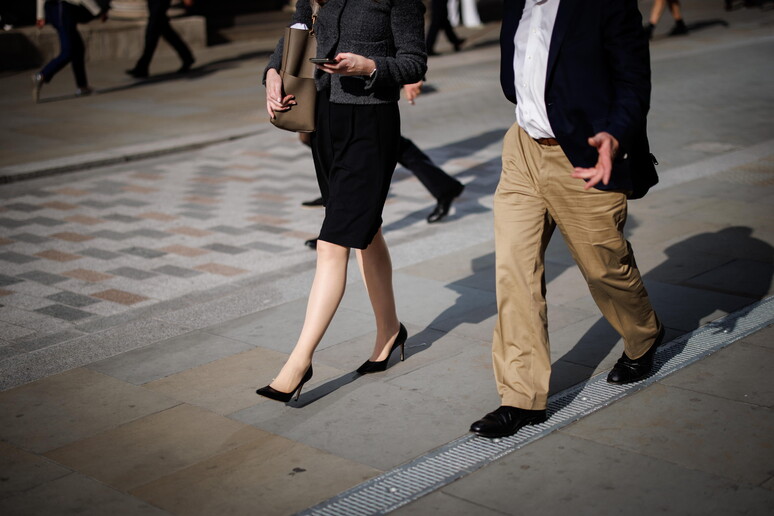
x: 564, y: 17
x: 328, y: 37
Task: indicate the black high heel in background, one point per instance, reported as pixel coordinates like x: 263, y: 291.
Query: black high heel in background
x: 284, y: 397
x: 376, y: 367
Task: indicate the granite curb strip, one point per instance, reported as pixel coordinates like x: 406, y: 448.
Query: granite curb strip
x: 125, y: 154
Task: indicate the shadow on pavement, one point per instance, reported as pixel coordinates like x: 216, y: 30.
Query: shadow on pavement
x: 731, y: 281
x: 195, y: 73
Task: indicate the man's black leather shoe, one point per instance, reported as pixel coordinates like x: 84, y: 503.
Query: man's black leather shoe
x: 506, y: 421
x: 627, y: 370
x: 137, y: 73
x: 442, y: 208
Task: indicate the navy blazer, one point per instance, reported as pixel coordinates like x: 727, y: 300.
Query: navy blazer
x: 598, y: 79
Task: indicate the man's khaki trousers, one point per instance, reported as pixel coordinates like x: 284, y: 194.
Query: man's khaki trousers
x: 535, y: 195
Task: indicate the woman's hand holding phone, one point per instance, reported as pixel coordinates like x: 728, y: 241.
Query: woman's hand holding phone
x: 347, y: 63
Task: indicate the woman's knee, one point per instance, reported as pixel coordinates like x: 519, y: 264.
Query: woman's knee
x: 329, y: 251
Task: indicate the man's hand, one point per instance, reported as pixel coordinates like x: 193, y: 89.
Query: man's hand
x: 39, y: 23
x: 275, y: 99
x: 412, y: 91
x: 188, y: 3
x: 607, y: 147
x: 349, y: 64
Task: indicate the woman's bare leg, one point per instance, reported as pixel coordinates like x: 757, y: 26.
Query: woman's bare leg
x: 674, y: 8
x: 330, y: 279
x: 656, y: 11
x: 376, y: 268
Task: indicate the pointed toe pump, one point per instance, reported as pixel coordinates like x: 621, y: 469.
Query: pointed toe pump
x: 284, y: 397
x: 376, y: 367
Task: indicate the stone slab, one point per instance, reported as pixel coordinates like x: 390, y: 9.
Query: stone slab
x: 228, y: 385
x: 763, y: 338
x: 740, y: 277
x: 278, y: 327
x: 455, y: 266
x: 564, y: 475
x: 441, y: 504
x: 423, y: 301
x: 168, y: 357
x: 687, y: 308
x: 155, y: 446
x: 424, y: 346
x: 22, y: 471
x: 81, y: 402
x: 727, y: 438
x: 272, y: 476
x: 76, y: 495
x: 740, y: 372
x: 359, y: 422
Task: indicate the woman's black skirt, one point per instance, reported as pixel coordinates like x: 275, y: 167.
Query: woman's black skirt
x: 355, y: 150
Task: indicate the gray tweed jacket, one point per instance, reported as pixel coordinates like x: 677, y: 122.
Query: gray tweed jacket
x: 391, y: 32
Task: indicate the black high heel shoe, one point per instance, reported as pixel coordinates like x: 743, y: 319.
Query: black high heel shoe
x: 376, y: 367
x: 284, y: 397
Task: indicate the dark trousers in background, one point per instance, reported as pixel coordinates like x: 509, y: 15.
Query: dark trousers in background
x: 437, y: 182
x: 159, y: 26
x: 439, y: 19
x: 65, y: 18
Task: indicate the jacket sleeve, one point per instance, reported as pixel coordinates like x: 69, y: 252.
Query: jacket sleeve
x: 410, y: 62
x: 303, y: 14
x: 629, y: 59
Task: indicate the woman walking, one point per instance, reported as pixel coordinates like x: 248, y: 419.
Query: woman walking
x: 65, y: 15
x: 375, y: 47
x: 657, y: 10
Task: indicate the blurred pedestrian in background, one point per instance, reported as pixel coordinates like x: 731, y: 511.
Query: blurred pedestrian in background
x: 159, y: 26
x: 439, y: 19
x: 65, y: 15
x: 469, y: 11
x: 657, y: 9
x: 440, y: 184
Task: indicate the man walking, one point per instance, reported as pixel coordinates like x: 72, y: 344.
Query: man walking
x: 158, y: 27
x: 579, y: 74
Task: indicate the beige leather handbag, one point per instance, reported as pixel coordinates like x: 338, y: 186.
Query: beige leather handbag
x: 297, y: 74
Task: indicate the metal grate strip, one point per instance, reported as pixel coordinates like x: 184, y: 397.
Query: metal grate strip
x: 459, y: 458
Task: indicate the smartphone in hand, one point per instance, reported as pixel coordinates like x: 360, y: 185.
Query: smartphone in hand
x: 323, y: 60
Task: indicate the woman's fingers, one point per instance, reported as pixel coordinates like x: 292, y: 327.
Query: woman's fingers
x: 275, y: 101
x: 283, y: 104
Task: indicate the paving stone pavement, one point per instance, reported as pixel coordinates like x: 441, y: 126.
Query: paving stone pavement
x: 143, y: 302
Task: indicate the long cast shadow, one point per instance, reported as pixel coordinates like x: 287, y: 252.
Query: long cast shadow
x: 735, y: 283
x: 197, y: 72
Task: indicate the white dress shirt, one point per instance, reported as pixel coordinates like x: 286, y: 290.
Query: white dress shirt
x: 530, y: 63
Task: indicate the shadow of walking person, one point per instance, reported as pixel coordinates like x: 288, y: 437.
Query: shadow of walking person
x: 703, y: 278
